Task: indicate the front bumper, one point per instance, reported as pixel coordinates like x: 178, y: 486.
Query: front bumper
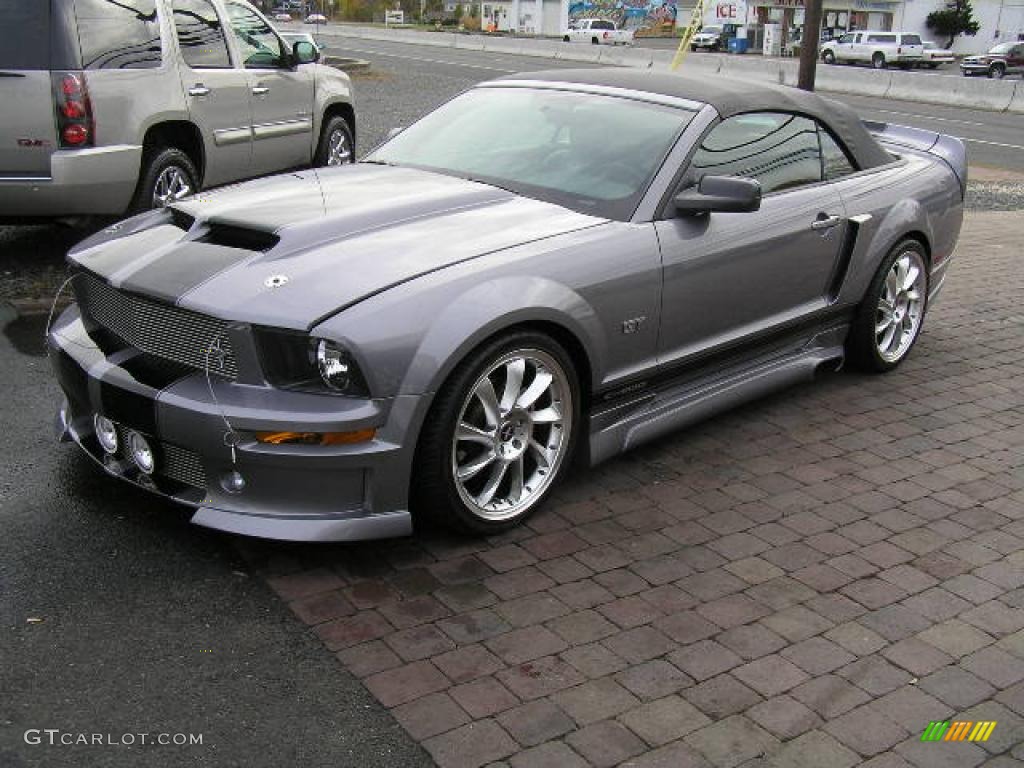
x: 97, y: 180
x: 291, y: 492
x: 974, y: 67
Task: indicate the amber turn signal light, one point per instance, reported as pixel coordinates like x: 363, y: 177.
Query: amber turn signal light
x: 316, y: 438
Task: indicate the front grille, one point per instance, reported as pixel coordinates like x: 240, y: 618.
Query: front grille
x: 181, y: 465
x: 172, y: 461
x: 161, y: 330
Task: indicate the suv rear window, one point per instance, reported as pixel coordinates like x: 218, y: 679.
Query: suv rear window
x: 910, y: 40
x: 26, y: 35
x: 602, y: 25
x: 118, y: 34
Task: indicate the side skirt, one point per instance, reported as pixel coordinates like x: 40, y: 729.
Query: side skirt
x: 689, y: 399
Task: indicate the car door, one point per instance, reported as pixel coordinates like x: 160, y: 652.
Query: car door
x: 1015, y: 61
x: 282, y: 94
x: 731, y: 277
x: 217, y: 93
x: 844, y: 48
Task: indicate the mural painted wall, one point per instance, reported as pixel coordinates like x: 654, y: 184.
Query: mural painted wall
x: 643, y: 16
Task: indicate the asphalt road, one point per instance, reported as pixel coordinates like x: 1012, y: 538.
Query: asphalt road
x: 148, y: 624
x: 408, y: 79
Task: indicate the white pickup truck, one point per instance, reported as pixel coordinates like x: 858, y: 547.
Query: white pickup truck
x: 597, y: 32
x: 879, y: 49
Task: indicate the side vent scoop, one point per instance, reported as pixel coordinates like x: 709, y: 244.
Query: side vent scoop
x: 182, y: 220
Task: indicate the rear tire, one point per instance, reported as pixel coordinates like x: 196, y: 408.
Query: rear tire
x: 168, y: 175
x: 336, y: 147
x: 498, y: 436
x: 878, y: 61
x: 891, y: 314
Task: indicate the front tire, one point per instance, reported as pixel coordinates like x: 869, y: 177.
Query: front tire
x: 499, y: 435
x: 336, y: 147
x: 997, y: 71
x: 891, y: 315
x: 828, y: 57
x: 168, y: 175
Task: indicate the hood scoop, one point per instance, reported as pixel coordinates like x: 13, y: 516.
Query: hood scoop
x: 234, y: 236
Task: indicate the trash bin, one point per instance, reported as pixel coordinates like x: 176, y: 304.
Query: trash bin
x: 738, y: 45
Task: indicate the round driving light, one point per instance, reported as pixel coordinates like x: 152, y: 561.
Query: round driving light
x: 141, y: 453
x: 106, y: 433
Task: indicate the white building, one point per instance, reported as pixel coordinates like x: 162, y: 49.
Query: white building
x: 1000, y: 20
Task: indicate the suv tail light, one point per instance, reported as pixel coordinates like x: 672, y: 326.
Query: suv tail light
x: 75, y: 125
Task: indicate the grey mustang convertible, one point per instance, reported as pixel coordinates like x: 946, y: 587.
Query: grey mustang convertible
x: 550, y: 266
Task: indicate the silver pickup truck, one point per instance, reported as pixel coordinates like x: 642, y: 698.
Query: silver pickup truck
x: 124, y: 106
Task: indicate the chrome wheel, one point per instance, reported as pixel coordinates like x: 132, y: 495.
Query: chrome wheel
x: 900, y: 306
x: 338, y: 150
x: 171, y: 185
x: 512, y: 434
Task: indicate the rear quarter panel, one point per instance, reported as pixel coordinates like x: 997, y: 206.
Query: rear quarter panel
x: 917, y: 194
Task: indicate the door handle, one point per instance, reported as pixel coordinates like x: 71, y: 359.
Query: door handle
x: 826, y: 222
x: 260, y: 90
x: 198, y: 90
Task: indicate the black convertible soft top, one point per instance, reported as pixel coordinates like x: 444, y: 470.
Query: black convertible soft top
x: 732, y: 97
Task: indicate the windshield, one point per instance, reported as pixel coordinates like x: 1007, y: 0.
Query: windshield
x: 1002, y: 48
x: 591, y: 153
x: 711, y: 30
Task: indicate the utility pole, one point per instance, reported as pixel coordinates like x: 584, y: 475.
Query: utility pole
x: 809, y: 45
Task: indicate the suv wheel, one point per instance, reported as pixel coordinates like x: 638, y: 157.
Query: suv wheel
x: 878, y: 60
x: 336, y: 144
x: 168, y: 175
x: 499, y: 434
x: 996, y: 71
x: 828, y: 57
x: 891, y: 314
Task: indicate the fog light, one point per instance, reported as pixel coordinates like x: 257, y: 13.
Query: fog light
x: 141, y: 453
x: 106, y: 433
x: 233, y: 482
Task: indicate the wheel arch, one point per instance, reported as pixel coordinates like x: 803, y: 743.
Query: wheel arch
x: 341, y: 109
x: 180, y: 134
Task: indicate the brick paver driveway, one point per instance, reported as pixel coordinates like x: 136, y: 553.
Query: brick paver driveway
x: 808, y: 581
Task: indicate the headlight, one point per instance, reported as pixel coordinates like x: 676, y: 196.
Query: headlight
x: 336, y: 367
x: 295, y: 361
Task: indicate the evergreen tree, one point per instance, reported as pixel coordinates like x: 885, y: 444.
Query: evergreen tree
x: 957, y: 18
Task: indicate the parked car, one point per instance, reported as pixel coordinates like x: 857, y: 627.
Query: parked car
x: 1003, y: 59
x: 316, y: 18
x: 879, y: 49
x: 282, y: 17
x: 130, y: 105
x: 597, y: 32
x: 441, y: 329
x: 710, y: 38
x: 934, y: 56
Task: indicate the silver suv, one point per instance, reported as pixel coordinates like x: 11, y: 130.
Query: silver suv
x: 123, y: 105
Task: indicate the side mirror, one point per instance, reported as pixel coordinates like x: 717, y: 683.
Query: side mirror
x: 304, y: 52
x: 394, y: 132
x: 722, y: 194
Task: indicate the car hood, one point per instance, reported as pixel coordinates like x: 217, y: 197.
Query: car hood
x: 291, y: 250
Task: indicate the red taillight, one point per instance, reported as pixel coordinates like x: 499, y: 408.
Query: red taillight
x: 76, y: 135
x: 75, y: 125
x: 73, y: 110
